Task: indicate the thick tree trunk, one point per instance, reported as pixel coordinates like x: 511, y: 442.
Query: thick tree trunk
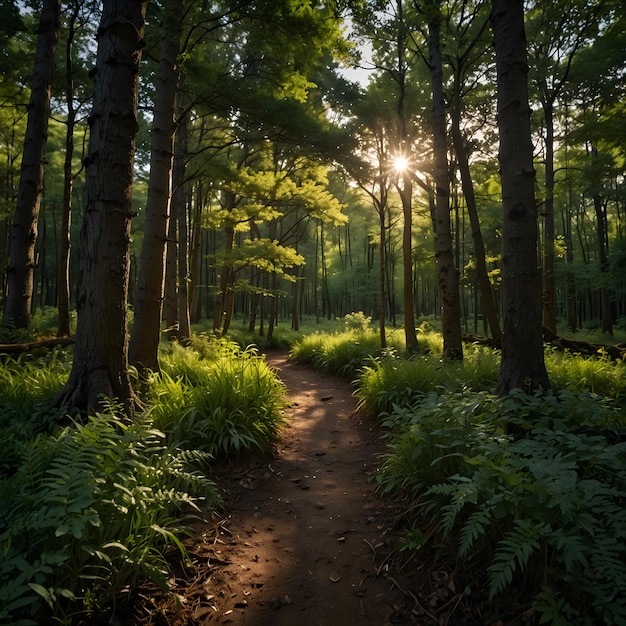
x: 522, y: 365
x: 100, y: 365
x: 146, y: 333
x: 21, y: 268
x: 447, y: 275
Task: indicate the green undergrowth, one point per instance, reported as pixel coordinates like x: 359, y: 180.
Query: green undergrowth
x: 89, y: 510
x: 542, y: 510
x: 96, y: 506
x: 527, y: 492
x: 219, y: 398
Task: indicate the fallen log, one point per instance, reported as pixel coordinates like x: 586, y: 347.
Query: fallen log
x: 615, y: 352
x: 16, y: 348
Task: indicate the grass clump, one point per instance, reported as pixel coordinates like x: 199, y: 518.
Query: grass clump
x: 28, y: 385
x: 391, y: 381
x: 598, y: 374
x: 218, y: 398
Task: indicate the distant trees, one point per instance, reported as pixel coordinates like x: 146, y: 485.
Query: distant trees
x: 21, y: 269
x: 268, y: 181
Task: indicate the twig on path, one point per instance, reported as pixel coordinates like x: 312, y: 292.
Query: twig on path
x: 414, y: 598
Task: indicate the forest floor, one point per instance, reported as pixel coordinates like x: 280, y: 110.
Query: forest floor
x: 306, y: 539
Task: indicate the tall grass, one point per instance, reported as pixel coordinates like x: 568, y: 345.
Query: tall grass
x: 28, y: 385
x: 393, y: 381
x: 597, y: 374
x: 218, y: 398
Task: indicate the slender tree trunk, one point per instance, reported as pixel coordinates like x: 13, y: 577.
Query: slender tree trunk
x: 447, y: 275
x: 170, y: 295
x: 522, y: 365
x: 194, y: 250
x: 295, y: 299
x: 605, y: 299
x: 406, y: 191
x: 21, y: 268
x: 146, y: 333
x: 100, y: 366
x: 382, y: 263
x: 180, y: 202
x: 220, y: 303
x: 489, y: 304
x: 63, y: 272
x: 549, y: 284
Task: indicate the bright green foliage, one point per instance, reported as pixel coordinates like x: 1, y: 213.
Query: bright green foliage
x: 90, y: 510
x: 229, y: 404
x: 596, y: 374
x: 389, y: 382
x: 339, y: 353
x: 542, y: 509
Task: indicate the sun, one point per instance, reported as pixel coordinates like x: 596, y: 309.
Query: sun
x: 400, y: 164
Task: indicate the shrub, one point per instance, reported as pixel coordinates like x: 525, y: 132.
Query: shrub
x: 542, y: 510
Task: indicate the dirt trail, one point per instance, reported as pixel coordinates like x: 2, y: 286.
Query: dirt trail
x: 305, y: 540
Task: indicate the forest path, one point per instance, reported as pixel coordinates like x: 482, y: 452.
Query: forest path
x: 305, y: 540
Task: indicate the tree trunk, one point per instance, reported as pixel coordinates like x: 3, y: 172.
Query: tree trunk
x: 549, y: 284
x: 484, y: 284
x: 195, y: 229
x: 220, y: 303
x: 605, y: 298
x: 522, y: 365
x: 179, y: 208
x: 100, y: 364
x: 21, y: 268
x: 170, y: 294
x: 146, y: 333
x: 406, y: 192
x: 381, y: 267
x: 63, y: 278
x: 447, y: 275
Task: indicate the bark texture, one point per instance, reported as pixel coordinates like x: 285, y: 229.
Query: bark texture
x: 447, y: 276
x: 522, y: 365
x: 100, y: 365
x: 21, y: 268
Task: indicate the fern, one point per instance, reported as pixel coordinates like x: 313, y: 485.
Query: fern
x: 514, y: 552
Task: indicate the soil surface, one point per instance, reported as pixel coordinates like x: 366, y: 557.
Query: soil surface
x: 305, y: 538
